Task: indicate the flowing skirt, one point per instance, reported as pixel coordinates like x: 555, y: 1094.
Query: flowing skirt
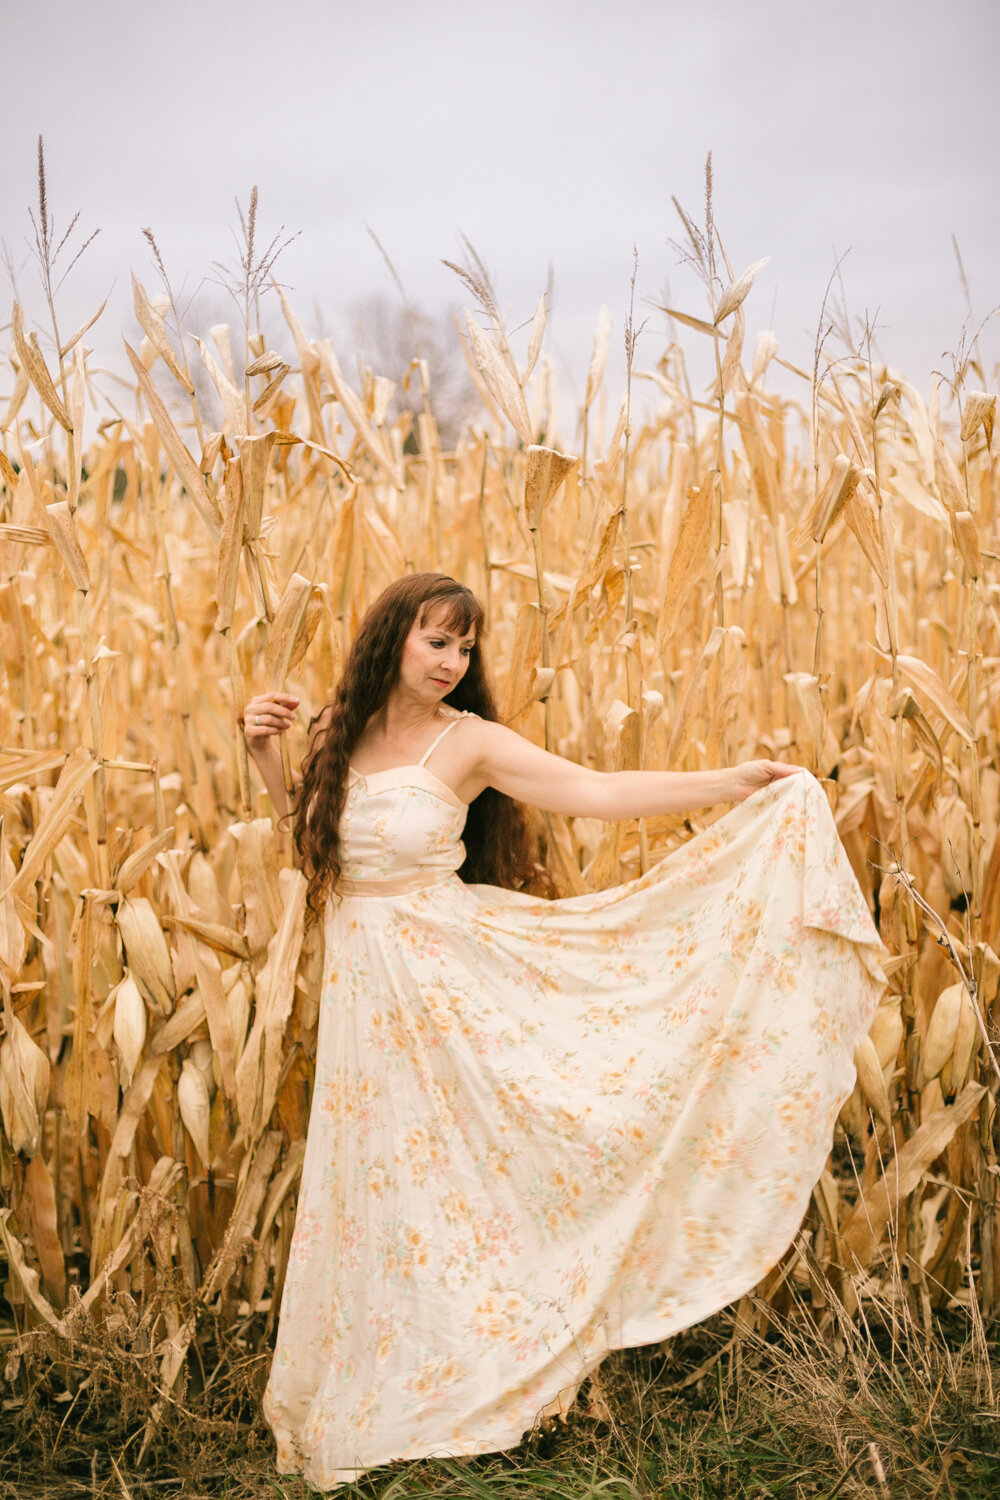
x: 544, y: 1130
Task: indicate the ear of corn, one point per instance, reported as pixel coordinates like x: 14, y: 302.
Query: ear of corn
x: 146, y: 952
x: 887, y: 1034
x: 24, y: 1086
x: 955, y: 1073
x: 942, y: 1027
x: 871, y: 1081
x: 129, y: 1026
x: 195, y: 1107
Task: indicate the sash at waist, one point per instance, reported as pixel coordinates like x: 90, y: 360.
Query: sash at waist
x: 403, y: 885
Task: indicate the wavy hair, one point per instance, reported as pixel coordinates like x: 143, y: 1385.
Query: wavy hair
x: 500, y: 847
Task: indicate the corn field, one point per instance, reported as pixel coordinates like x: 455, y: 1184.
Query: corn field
x: 813, y: 578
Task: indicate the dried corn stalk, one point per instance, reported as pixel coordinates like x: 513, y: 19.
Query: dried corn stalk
x: 156, y: 976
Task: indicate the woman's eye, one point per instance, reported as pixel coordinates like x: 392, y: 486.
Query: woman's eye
x: 466, y: 650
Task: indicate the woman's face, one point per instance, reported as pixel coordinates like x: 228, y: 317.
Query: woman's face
x: 434, y: 659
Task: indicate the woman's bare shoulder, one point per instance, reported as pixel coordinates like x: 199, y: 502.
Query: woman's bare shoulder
x: 491, y: 737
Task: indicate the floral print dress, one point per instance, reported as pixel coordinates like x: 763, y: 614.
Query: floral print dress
x: 542, y: 1130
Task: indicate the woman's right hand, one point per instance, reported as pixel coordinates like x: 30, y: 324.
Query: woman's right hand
x: 267, y: 715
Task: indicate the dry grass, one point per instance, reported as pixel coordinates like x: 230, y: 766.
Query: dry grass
x: 708, y: 1415
x: 736, y: 576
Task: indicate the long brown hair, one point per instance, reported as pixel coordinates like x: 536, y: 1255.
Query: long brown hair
x: 500, y: 849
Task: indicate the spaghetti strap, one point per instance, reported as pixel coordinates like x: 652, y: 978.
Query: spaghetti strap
x: 434, y: 743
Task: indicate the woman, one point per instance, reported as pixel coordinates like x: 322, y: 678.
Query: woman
x: 540, y: 1129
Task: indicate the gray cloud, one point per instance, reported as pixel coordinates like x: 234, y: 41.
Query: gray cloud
x: 551, y: 133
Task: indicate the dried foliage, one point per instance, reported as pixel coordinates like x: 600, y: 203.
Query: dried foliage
x: 159, y: 995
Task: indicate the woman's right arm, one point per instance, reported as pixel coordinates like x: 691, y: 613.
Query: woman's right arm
x: 264, y: 718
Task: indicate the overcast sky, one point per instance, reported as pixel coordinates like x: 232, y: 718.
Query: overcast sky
x: 552, y: 133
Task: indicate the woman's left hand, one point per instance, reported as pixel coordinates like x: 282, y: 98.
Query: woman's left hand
x: 751, y: 775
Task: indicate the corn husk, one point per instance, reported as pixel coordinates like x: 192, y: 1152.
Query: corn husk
x: 933, y: 694
x: 840, y: 486
x: 545, y: 471
x: 195, y: 1107
x: 237, y: 993
x: 294, y: 625
x: 980, y: 411
x: 146, y: 953
x: 187, y: 470
x: 689, y: 560
x: 155, y: 330
x: 62, y: 529
x: 956, y: 833
x: 870, y: 1080
x: 80, y: 765
x: 853, y: 1115
x: 40, y: 1194
x: 955, y: 1073
x: 130, y: 1025
x: 26, y: 1275
x: 862, y: 1230
x: 260, y: 1061
x: 963, y: 526
x: 13, y: 938
x: 941, y: 1029
x: 598, y: 358
x: 24, y: 1085
x: 886, y: 1035
x: 736, y: 292
x: 33, y: 363
x: 203, y: 1057
x: 500, y: 378
x: 136, y: 865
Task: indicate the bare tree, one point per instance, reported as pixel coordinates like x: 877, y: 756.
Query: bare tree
x: 389, y: 336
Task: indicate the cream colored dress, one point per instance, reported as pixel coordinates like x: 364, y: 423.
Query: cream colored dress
x: 546, y: 1129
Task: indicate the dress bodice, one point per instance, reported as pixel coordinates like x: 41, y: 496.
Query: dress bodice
x: 400, y: 825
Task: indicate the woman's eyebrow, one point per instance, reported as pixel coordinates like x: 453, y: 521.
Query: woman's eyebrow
x: 469, y: 640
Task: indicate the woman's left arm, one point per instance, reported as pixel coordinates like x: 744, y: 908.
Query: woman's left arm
x: 524, y: 771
